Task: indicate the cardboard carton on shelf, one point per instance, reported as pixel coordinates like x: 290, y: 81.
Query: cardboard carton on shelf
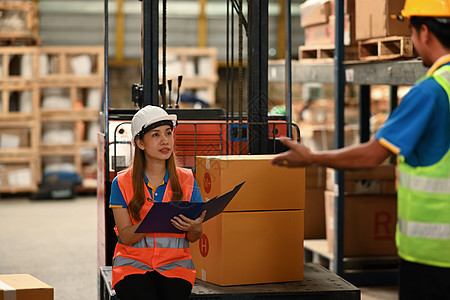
x: 266, y: 187
x: 315, y: 213
x: 24, y: 287
x: 349, y: 7
x: 323, y: 34
x: 315, y: 177
x: 379, y: 180
x: 314, y: 12
x: 319, y: 137
x: 256, y: 247
x: 369, y: 225
x: 373, y: 19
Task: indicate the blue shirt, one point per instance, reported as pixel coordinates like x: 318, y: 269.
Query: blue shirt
x: 117, y: 200
x: 419, y: 128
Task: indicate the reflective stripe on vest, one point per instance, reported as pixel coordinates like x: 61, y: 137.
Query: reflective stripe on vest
x: 186, y: 263
x: 424, y: 184
x: 120, y: 261
x: 172, y: 243
x: 423, y: 227
x: 424, y: 230
x: 162, y: 242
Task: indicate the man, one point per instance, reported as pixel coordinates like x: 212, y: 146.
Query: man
x: 418, y: 131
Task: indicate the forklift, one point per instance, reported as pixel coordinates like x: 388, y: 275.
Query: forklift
x: 205, y: 131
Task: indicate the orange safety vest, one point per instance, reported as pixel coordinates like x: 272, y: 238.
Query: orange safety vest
x: 166, y: 253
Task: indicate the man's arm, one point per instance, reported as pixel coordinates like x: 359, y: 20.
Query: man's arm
x: 361, y: 156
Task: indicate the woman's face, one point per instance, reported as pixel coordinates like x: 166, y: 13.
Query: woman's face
x: 157, y: 143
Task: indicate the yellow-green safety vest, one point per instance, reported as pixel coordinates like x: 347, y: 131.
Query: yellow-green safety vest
x: 423, y: 226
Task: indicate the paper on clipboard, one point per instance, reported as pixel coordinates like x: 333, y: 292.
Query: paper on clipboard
x: 159, y: 216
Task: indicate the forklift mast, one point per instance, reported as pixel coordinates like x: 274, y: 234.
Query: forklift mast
x: 213, y: 129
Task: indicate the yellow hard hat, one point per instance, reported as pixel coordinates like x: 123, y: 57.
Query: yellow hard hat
x: 428, y: 8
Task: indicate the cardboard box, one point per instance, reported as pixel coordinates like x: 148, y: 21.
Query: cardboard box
x: 369, y: 225
x: 24, y: 287
x: 379, y: 180
x: 315, y: 214
x: 266, y: 187
x: 373, y: 19
x: 315, y: 177
x: 250, y: 248
x: 349, y: 7
x: 319, y: 137
x: 323, y: 34
x: 314, y: 12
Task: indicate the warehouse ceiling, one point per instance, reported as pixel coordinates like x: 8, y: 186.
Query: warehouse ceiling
x: 81, y: 22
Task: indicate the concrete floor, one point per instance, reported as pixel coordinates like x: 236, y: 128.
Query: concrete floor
x: 56, y: 241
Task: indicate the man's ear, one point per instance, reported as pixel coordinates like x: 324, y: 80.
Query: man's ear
x: 425, y: 33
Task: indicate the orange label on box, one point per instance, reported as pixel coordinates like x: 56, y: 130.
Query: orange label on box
x: 383, y: 226
x: 207, y: 182
x: 203, y: 245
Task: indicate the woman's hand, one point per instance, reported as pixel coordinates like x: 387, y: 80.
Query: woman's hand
x: 125, y: 227
x: 192, y: 227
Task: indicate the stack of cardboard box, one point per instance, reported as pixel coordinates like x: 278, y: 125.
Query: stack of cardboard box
x: 373, y: 19
x: 317, y: 17
x: 379, y: 35
x: 259, y: 236
x: 19, y: 22
x: 315, y: 179
x: 370, y: 213
x: 364, y: 21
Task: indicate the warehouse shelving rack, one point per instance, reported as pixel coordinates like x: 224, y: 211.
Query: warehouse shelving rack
x: 31, y: 71
x: 364, y: 74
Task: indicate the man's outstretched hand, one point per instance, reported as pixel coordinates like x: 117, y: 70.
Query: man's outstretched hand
x: 298, y: 155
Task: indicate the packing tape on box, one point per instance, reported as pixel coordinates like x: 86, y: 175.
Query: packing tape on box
x: 203, y: 274
x: 9, y: 293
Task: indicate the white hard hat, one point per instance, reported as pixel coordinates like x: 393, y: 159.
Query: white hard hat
x: 150, y: 117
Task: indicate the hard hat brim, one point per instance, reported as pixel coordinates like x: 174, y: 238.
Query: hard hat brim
x: 172, y: 118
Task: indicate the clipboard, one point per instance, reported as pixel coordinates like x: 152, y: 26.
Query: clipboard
x: 159, y: 216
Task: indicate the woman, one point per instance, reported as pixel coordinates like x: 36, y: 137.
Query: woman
x: 153, y: 265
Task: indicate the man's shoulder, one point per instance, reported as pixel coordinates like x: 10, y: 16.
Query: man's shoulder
x: 428, y: 87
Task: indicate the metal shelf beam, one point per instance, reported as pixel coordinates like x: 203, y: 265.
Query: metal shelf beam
x: 359, y: 73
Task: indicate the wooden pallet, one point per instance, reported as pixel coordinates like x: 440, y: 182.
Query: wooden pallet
x: 324, y: 53
x: 386, y: 48
x: 13, y: 39
x: 19, y: 138
x: 62, y: 61
x: 28, y: 13
x: 23, y: 78
x: 19, y: 174
x: 10, y: 104
x: 53, y: 64
x: 199, y: 68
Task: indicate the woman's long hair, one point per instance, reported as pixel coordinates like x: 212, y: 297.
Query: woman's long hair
x: 138, y: 166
